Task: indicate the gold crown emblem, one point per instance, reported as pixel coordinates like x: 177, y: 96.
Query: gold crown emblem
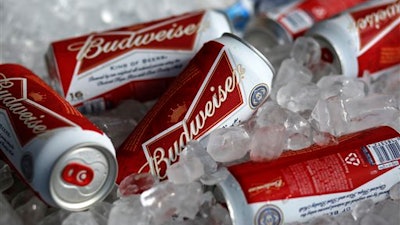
x: 177, y: 112
x: 37, y: 96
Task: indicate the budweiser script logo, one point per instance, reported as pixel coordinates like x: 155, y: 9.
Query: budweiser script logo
x: 162, y: 158
x: 374, y: 19
x: 15, y: 106
x: 96, y: 45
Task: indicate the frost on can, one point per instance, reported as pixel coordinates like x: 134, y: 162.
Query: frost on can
x: 315, y: 181
x: 222, y: 85
x: 97, y: 70
x: 282, y: 24
x: 365, y: 39
x: 63, y: 157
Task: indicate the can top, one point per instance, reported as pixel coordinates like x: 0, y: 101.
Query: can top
x: 265, y: 33
x: 338, y: 37
x: 82, y: 176
x: 252, y: 48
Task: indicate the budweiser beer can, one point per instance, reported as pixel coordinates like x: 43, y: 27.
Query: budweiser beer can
x: 97, y: 70
x: 364, y: 39
x: 319, y: 180
x: 222, y: 85
x: 284, y: 23
x: 63, y: 157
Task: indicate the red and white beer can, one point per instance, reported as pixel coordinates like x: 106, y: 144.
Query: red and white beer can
x: 365, y: 39
x: 139, y: 61
x: 283, y: 24
x: 315, y: 181
x: 64, y: 158
x: 222, y: 85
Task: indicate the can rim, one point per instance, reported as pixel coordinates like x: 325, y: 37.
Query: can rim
x: 270, y: 27
x: 254, y: 49
x: 102, y: 191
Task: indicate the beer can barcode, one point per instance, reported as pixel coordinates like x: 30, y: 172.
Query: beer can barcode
x: 297, y: 21
x: 385, y: 151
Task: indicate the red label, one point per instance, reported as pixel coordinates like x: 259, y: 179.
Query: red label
x: 379, y: 31
x: 32, y: 106
x: 317, y: 170
x: 315, y: 10
x: 203, y: 95
x: 90, y: 51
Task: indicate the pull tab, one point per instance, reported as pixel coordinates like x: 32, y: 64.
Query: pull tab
x: 77, y: 174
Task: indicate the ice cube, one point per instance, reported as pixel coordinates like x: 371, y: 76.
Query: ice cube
x: 167, y: 199
x: 127, y: 210
x: 290, y: 71
x: 389, y: 210
x: 330, y: 116
x: 395, y: 191
x: 299, y: 132
x: 190, y: 198
x: 101, y: 210
x: 195, y: 148
x: 387, y: 83
x: 6, y: 178
x: 298, y: 97
x: 372, y: 219
x: 8, y: 215
x: 228, y: 144
x: 323, y: 138
x: 297, y: 129
x: 81, y: 218
x: 322, y: 69
x: 214, y: 178
x: 268, y: 113
x: 372, y: 111
x: 55, y: 217
x: 342, y: 86
x: 22, y: 197
x: 362, y: 208
x: 267, y: 143
x: 306, y: 51
x: 323, y: 220
x: 220, y: 215
x: 188, y: 169
x: 32, y: 211
x: 136, y: 183
x: 346, y: 219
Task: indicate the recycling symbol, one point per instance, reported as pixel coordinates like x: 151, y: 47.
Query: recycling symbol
x: 352, y: 159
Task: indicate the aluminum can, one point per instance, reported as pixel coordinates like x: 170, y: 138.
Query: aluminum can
x: 365, y: 39
x: 282, y: 24
x: 60, y: 154
x: 319, y: 180
x: 222, y: 85
x: 96, y: 71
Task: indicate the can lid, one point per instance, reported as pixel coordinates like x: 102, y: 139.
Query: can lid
x: 265, y: 33
x: 337, y: 36
x: 255, y: 50
x: 83, y: 176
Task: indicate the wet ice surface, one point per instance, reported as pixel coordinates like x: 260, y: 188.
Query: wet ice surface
x: 303, y: 109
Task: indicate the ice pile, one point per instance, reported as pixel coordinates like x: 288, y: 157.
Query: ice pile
x: 310, y: 103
